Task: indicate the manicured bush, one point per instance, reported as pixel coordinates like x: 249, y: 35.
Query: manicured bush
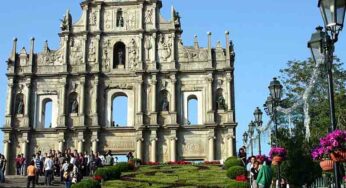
x: 124, y: 167
x: 88, y: 183
x: 232, y: 161
x: 109, y: 173
x: 235, y: 171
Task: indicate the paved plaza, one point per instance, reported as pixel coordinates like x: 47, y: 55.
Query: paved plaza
x: 20, y: 182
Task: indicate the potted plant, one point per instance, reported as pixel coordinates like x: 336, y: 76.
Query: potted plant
x: 335, y: 144
x: 277, y: 154
x: 322, y: 155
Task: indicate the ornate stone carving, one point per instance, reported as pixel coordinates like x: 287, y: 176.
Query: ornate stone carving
x: 149, y: 16
x: 165, y: 46
x: 66, y: 22
x: 133, y: 56
x: 92, y: 52
x: 148, y: 46
x: 131, y: 21
x: 76, y: 56
x: 106, y: 55
x: 93, y: 17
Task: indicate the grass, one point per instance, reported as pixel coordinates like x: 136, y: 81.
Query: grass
x: 173, y: 176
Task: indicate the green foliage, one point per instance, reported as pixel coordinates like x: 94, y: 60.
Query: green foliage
x: 235, y: 171
x: 232, y: 161
x: 236, y: 184
x: 299, y: 168
x: 124, y: 167
x: 88, y: 183
x: 173, y: 176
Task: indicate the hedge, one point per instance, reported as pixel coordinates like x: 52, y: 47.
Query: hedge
x: 88, y: 183
x: 235, y: 171
x: 232, y: 161
x: 236, y: 184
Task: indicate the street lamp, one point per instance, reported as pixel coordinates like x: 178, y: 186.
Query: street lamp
x: 245, y: 137
x: 322, y: 45
x: 273, y: 101
x: 258, y: 121
x: 251, y: 131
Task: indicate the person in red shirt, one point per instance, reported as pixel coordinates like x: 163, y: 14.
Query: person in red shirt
x: 18, y: 164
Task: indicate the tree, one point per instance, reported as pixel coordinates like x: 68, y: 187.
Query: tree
x: 299, y: 168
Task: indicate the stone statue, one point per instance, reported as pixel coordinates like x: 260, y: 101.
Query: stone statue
x: 74, y: 106
x: 121, y: 57
x: 165, y: 104
x: 220, y: 103
x: 20, y: 106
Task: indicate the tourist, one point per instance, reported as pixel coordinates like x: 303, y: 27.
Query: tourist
x: 38, y: 166
x: 242, y: 155
x: 264, y: 177
x: 48, y: 170
x: 2, y: 168
x: 63, y: 169
x: 18, y: 164
x: 129, y: 156
x: 23, y: 165
x: 68, y: 176
x: 115, y: 161
x: 31, y: 171
x: 109, y: 159
x: 91, y: 163
x: 254, y: 173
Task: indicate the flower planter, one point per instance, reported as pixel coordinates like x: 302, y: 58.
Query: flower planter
x: 338, y: 156
x: 327, y: 165
x: 277, y: 160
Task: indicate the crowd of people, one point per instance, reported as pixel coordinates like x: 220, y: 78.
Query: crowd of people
x: 68, y: 166
x: 260, y: 172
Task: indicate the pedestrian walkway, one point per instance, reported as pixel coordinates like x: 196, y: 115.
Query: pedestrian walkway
x: 20, y: 182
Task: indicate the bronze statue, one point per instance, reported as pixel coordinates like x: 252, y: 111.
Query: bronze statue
x: 220, y: 103
x: 74, y: 106
x: 20, y: 106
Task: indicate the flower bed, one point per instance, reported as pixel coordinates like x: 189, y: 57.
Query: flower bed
x: 212, y: 162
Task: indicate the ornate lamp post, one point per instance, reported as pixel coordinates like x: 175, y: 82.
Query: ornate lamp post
x: 322, y: 45
x: 245, y: 137
x: 273, y: 101
x: 251, y: 131
x: 258, y: 121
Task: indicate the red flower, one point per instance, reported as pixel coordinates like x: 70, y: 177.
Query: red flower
x: 98, y: 178
x: 241, y: 178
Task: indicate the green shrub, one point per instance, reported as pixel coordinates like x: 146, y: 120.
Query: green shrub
x: 235, y: 171
x: 233, y: 161
x: 88, y: 183
x: 236, y: 184
x: 124, y: 167
x: 109, y: 173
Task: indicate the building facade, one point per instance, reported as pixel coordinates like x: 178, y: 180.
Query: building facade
x: 122, y: 49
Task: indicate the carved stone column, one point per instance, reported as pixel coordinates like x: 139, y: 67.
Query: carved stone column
x: 7, y: 155
x: 84, y: 51
x: 99, y: 8
x: 156, y: 16
x: 94, y: 141
x: 209, y: 93
x: 230, y: 143
x: 211, y: 138
x: 81, y: 97
x: 9, y: 97
x: 62, y: 103
x: 173, y: 49
x: 141, y: 16
x: 153, y: 140
x: 173, y: 102
x: 66, y: 51
x: 229, y: 92
x: 61, y: 144
x: 27, y: 97
x: 139, y: 140
x: 153, y: 93
x: 80, y: 145
x: 24, y: 143
x: 173, y: 149
x: 94, y: 103
x: 139, y: 96
x: 153, y: 54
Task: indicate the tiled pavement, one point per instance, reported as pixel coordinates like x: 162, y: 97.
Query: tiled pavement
x: 20, y: 182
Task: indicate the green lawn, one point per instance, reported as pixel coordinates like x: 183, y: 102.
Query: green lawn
x: 173, y: 176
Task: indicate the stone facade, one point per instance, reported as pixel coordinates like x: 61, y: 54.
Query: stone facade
x: 122, y: 48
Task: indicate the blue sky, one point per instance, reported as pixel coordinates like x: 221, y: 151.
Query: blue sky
x: 266, y: 35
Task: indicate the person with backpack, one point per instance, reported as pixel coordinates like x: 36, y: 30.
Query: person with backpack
x: 68, y: 176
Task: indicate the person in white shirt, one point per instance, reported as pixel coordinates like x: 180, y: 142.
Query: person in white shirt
x: 48, y: 170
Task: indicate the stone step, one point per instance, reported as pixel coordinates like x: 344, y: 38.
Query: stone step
x: 20, y: 182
